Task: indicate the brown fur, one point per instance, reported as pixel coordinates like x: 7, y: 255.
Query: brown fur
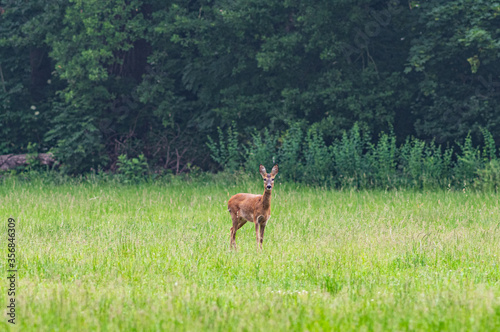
x: 253, y: 208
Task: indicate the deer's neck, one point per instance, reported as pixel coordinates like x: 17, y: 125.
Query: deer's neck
x: 266, y: 200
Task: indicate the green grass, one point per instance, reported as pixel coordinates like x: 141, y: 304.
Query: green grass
x: 156, y: 257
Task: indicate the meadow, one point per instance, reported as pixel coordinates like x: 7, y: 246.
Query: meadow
x: 156, y: 257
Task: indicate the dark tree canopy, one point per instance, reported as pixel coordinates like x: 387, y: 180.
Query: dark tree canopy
x: 91, y: 80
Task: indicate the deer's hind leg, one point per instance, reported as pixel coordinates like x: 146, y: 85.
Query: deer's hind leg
x: 237, y: 223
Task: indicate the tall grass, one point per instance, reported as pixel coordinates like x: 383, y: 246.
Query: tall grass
x: 156, y: 257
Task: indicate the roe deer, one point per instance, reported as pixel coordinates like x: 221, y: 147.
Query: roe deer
x: 253, y: 208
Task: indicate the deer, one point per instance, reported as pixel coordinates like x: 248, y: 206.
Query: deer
x: 253, y: 208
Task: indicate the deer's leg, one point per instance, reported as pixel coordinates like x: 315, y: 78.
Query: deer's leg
x: 235, y: 227
x: 241, y: 223
x: 262, y: 228
x: 257, y: 235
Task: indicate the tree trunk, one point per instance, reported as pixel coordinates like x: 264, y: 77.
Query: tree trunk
x: 10, y: 161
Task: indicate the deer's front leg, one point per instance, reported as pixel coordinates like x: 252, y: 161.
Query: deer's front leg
x: 262, y: 228
x: 257, y: 234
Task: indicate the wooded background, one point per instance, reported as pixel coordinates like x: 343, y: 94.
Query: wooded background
x: 92, y: 80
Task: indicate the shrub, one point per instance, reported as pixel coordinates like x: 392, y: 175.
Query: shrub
x: 350, y: 162
x: 226, y: 153
x: 289, y: 155
x: 382, y: 160
x: 262, y: 150
x: 132, y: 170
x: 469, y: 161
x: 318, y: 166
x: 411, y: 161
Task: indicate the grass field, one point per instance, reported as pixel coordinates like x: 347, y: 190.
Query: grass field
x: 156, y: 257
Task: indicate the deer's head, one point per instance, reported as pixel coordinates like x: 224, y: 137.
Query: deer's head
x: 268, y: 177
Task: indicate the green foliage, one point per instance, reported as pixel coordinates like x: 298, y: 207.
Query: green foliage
x: 78, y: 142
x: 92, y: 80
x: 489, y: 176
x: 318, y: 166
x: 132, y: 170
x: 425, y: 165
x: 469, y: 161
x: 460, y: 35
x: 349, y: 158
x: 355, y: 162
x: 27, y: 86
x: 227, y: 152
x: 383, y: 160
x: 31, y: 156
x: 489, y: 146
x: 412, y: 161
x: 91, y: 54
x: 289, y: 153
x: 262, y: 150
x: 437, y: 166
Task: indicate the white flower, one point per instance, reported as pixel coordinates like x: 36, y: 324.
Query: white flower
x: 33, y: 107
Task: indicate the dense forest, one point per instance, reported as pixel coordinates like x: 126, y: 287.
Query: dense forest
x: 218, y: 84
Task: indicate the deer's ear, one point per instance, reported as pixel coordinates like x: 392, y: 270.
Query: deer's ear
x: 262, y: 170
x: 274, y: 171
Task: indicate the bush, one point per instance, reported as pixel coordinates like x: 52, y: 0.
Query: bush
x: 350, y: 161
x: 353, y: 161
x: 226, y: 153
x: 132, y: 170
x: 382, y: 160
x: 318, y: 166
x: 437, y: 166
x: 289, y: 155
x: 469, y: 161
x: 489, y: 175
x: 262, y: 150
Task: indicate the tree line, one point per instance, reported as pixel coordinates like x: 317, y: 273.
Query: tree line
x: 91, y: 81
